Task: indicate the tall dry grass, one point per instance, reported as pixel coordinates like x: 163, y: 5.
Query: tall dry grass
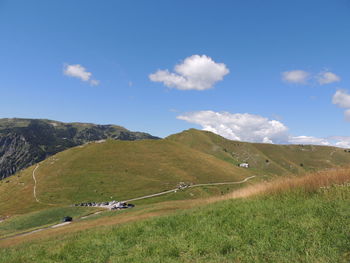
x: 308, y: 183
x: 311, y: 182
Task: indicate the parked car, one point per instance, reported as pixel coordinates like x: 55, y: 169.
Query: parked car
x: 67, y: 219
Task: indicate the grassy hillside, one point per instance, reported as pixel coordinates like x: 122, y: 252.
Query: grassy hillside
x: 267, y: 158
x: 116, y: 170
x: 120, y: 170
x: 296, y: 220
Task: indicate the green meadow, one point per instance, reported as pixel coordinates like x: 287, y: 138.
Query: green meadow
x: 289, y: 226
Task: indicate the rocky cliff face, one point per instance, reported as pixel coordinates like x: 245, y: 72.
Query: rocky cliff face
x: 24, y: 142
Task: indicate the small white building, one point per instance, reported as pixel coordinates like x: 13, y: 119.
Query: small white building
x: 244, y: 165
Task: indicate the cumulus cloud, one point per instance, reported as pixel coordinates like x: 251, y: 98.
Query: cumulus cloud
x: 295, y: 76
x: 242, y: 127
x: 327, y: 77
x: 255, y: 128
x: 80, y: 72
x: 194, y: 73
x: 341, y: 98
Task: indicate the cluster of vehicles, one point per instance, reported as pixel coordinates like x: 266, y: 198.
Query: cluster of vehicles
x: 182, y: 185
x: 113, y: 205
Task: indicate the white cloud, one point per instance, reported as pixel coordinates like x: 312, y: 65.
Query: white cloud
x: 194, y: 73
x: 342, y: 99
x: 343, y: 144
x: 296, y: 76
x: 341, y: 141
x: 308, y: 140
x: 78, y: 71
x: 242, y: 127
x: 255, y: 128
x: 327, y: 77
x: 338, y: 141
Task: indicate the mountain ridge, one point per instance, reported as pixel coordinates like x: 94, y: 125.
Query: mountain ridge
x: 24, y: 142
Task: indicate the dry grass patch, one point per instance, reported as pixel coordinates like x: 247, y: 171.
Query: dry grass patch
x: 308, y: 183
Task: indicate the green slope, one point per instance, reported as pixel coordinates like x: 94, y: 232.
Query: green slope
x: 120, y: 170
x: 115, y: 170
x: 265, y: 158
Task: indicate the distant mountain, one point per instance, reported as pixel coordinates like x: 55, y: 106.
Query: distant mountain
x: 265, y: 158
x: 24, y: 142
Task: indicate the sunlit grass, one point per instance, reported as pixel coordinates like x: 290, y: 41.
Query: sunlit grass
x: 296, y: 220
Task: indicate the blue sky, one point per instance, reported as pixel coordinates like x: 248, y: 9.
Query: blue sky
x: 121, y: 43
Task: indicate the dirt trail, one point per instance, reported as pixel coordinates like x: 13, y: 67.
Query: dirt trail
x: 48, y: 227
x: 191, y: 186
x: 34, y: 189
x: 134, y: 199
x: 36, y: 230
x: 333, y: 152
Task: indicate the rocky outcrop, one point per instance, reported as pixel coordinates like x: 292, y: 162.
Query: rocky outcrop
x: 24, y: 142
x: 14, y: 151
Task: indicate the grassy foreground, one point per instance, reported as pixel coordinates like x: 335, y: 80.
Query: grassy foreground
x: 302, y: 220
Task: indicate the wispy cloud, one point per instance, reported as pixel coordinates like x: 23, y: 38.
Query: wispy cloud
x: 327, y: 77
x: 296, y: 76
x: 304, y: 77
x: 308, y: 140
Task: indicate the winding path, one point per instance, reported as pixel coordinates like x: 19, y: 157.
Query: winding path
x: 34, y: 189
x: 36, y: 230
x: 191, y: 186
x: 333, y: 152
x: 134, y: 199
x: 156, y: 194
